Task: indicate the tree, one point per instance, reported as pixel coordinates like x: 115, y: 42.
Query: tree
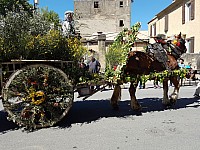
x: 51, y: 17
x: 118, y: 51
x: 22, y: 36
x: 16, y: 30
x: 15, y: 6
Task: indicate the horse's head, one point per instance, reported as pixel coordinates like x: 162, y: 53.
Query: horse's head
x: 179, y: 45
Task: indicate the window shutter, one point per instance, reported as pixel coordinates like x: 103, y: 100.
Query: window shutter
x: 192, y: 45
x: 154, y: 29
x: 150, y: 30
x: 192, y: 9
x: 166, y: 23
x: 183, y: 13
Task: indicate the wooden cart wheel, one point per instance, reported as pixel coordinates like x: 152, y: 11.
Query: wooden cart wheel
x: 37, y: 96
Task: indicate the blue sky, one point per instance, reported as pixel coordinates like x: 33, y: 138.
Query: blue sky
x: 142, y: 10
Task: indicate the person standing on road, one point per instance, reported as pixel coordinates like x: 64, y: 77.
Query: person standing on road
x: 181, y: 66
x: 94, y: 66
x: 197, y: 91
x: 181, y: 63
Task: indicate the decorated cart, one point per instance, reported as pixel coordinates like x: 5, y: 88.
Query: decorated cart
x: 39, y: 93
x: 38, y: 89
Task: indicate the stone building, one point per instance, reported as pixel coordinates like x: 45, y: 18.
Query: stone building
x: 102, y: 15
x: 99, y: 22
x: 180, y: 16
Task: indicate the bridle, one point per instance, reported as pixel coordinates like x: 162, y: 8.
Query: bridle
x: 177, y: 49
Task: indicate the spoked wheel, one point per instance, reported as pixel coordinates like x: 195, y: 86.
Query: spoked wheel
x: 37, y: 96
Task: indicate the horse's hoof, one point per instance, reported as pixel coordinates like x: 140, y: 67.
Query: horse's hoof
x: 173, y: 99
x: 173, y: 96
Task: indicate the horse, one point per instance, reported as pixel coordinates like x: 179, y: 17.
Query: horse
x: 142, y: 63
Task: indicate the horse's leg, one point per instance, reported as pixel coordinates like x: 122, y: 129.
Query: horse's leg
x: 116, y: 96
x: 166, y: 100
x: 174, y: 95
x: 134, y: 103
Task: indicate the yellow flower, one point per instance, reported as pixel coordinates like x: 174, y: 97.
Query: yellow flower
x: 37, y: 97
x: 174, y: 42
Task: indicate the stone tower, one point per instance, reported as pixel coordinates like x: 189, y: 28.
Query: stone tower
x: 102, y: 15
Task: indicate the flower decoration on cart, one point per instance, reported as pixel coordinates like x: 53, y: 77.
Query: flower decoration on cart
x: 37, y: 96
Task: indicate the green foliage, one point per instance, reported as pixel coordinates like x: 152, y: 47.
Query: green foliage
x: 16, y: 31
x: 159, y: 76
x: 22, y: 36
x: 49, y: 46
x: 117, y: 52
x: 117, y: 55
x: 51, y: 16
x: 15, y: 6
x: 13, y: 35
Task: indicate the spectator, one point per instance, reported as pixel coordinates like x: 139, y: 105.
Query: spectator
x: 181, y: 63
x: 181, y: 66
x: 197, y: 91
x: 82, y: 63
x: 189, y: 66
x: 94, y: 66
x: 155, y: 83
x: 192, y: 72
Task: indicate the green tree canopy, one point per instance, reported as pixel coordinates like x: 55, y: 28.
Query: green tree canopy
x: 15, y: 6
x: 51, y: 17
x: 118, y: 51
x: 22, y: 36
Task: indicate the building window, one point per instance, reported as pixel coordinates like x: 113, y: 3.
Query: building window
x: 121, y: 23
x: 188, y: 11
x: 121, y: 4
x: 96, y: 4
x: 190, y: 45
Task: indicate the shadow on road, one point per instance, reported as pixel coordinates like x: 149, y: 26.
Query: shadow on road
x: 93, y: 110
x: 6, y: 125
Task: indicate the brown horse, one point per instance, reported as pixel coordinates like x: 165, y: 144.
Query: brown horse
x: 141, y: 63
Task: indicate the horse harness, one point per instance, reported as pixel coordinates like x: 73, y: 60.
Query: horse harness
x: 158, y: 51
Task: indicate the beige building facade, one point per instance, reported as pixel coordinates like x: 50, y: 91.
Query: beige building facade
x: 181, y: 16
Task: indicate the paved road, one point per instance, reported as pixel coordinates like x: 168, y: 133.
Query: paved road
x: 93, y: 125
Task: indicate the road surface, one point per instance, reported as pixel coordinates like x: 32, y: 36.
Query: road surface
x: 93, y: 125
